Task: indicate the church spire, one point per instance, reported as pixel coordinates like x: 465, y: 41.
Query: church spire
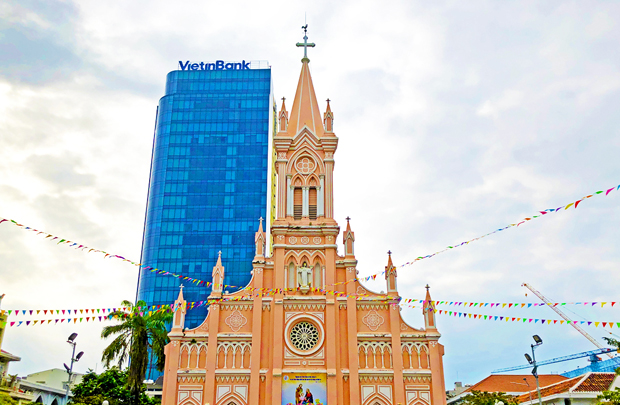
x: 180, y: 308
x: 218, y: 277
x: 390, y: 276
x: 305, y: 110
x: 429, y: 310
x: 348, y: 239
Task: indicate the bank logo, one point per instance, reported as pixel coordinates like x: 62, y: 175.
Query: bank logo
x: 218, y: 65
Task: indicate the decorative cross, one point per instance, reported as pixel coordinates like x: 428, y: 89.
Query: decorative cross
x: 305, y: 44
x: 283, y: 98
x: 328, y: 100
x: 427, y: 287
x: 390, y: 252
x: 348, y: 219
x: 181, y: 287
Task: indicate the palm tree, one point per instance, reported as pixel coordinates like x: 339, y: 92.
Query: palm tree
x: 138, y: 332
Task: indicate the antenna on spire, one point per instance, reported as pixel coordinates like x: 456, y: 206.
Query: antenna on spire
x: 305, y: 44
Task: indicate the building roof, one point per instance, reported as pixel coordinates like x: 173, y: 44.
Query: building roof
x: 514, y: 382
x: 591, y: 382
x: 10, y: 357
x: 305, y: 109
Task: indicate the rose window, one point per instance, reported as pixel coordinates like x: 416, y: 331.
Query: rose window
x: 304, y: 336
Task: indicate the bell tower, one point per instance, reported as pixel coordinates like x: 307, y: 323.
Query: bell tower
x: 305, y: 146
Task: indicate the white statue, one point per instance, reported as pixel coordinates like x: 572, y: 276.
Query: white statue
x: 304, y: 277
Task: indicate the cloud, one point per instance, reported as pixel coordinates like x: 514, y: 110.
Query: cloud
x: 453, y: 121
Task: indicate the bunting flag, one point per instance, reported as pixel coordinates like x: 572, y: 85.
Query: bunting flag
x: 196, y: 281
x: 271, y: 291
x: 539, y: 214
x: 58, y: 321
x: 526, y: 320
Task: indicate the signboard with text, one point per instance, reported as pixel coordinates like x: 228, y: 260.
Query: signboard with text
x: 304, y: 389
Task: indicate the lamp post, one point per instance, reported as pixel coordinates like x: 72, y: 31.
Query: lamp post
x: 532, y: 361
x: 74, y: 358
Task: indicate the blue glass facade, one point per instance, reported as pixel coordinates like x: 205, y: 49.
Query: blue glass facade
x: 208, y: 184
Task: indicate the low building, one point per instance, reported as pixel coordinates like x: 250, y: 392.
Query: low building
x: 54, y: 378
x: 511, y: 384
x: 581, y: 390
x: 46, y: 387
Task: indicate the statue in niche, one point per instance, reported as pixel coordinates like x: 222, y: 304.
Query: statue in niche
x: 304, y: 277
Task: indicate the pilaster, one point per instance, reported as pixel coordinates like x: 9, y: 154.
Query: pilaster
x: 257, y: 316
x: 214, y: 320
x: 354, y: 380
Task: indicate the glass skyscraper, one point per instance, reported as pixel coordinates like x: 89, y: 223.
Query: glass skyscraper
x: 209, y: 180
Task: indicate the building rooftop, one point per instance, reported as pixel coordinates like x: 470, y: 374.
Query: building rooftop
x: 8, y: 356
x: 591, y: 382
x: 514, y: 382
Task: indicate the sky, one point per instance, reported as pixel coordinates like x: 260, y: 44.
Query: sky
x: 454, y: 119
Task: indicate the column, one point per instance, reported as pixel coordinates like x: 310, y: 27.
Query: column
x: 305, y: 202
x: 289, y: 197
x: 257, y: 313
x: 320, y: 195
x: 329, y: 187
x: 169, y: 394
x: 354, y: 379
x: 281, y: 211
x: 331, y: 342
x: 214, y: 320
x: 397, y: 353
x: 438, y: 396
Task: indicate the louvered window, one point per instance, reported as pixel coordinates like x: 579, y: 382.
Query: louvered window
x: 312, y: 207
x: 297, y: 203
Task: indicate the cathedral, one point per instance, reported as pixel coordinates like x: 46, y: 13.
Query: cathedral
x: 305, y: 330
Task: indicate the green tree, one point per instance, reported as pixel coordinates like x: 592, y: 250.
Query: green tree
x: 488, y: 398
x: 138, y: 333
x: 5, y: 399
x: 110, y: 385
x: 609, y: 397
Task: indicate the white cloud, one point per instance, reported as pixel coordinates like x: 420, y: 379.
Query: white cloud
x: 453, y: 121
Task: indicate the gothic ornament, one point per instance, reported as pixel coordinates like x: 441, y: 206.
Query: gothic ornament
x: 305, y: 165
x: 373, y: 320
x: 236, y: 321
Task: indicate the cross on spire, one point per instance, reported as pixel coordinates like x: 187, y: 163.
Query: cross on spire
x: 389, y: 252
x: 305, y: 44
x: 348, y: 219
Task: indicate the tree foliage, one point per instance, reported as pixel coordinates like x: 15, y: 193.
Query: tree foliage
x: 5, y: 399
x: 609, y: 397
x: 488, y: 398
x: 110, y: 385
x: 138, y: 333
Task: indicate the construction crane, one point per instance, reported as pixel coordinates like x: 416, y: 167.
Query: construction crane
x: 592, y: 354
x: 573, y: 324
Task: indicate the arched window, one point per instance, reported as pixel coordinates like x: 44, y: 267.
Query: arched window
x: 291, y: 276
x: 312, y: 204
x: 317, y: 274
x: 297, y: 203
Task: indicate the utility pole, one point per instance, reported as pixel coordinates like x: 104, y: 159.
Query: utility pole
x: 532, y: 361
x: 71, y: 341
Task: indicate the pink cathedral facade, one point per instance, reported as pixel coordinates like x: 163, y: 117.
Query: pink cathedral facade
x: 303, y: 344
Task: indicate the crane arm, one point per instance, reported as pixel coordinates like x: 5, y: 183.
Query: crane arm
x: 558, y: 359
x: 559, y: 312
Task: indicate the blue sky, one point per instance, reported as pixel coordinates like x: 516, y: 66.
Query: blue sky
x: 472, y: 116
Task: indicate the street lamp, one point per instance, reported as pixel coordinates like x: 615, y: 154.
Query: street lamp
x: 532, y: 360
x: 74, y: 358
